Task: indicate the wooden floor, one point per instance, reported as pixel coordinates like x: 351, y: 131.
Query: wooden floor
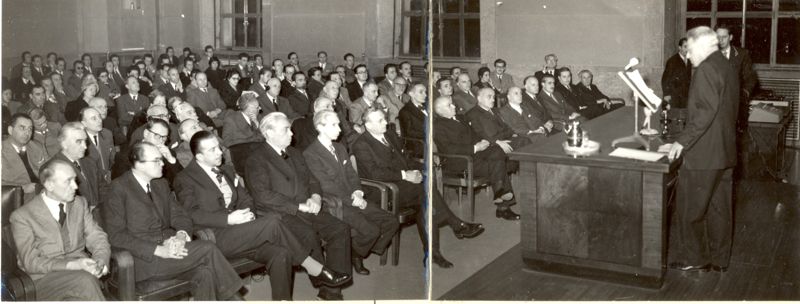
x: 765, y: 263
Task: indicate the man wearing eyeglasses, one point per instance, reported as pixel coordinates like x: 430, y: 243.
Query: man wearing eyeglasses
x: 155, y: 132
x: 356, y: 88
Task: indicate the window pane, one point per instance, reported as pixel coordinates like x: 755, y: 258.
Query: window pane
x: 238, y: 6
x: 226, y: 6
x: 226, y: 30
x: 695, y: 22
x: 253, y: 31
x: 414, y: 5
x: 789, y: 5
x: 253, y: 6
x: 472, y: 37
x: 757, y: 39
x: 752, y: 5
x: 450, y: 6
x: 437, y: 37
x: 788, y: 42
x: 452, y: 38
x: 412, y: 37
x: 698, y: 5
x: 472, y: 6
x: 238, y: 32
x: 735, y: 27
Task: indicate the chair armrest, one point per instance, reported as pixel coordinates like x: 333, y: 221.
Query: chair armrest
x: 18, y: 286
x: 381, y: 187
x: 122, y: 270
x: 468, y: 158
x: 206, y: 234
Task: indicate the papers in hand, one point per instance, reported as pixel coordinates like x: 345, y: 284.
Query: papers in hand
x: 637, y: 154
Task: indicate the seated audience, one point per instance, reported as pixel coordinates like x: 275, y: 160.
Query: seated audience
x: 405, y: 72
x: 463, y: 98
x: 107, y: 88
x: 9, y: 107
x: 453, y: 135
x: 89, y: 89
x: 568, y: 90
x: 329, y: 163
x: 395, y: 100
x: 277, y: 69
x: 298, y: 96
x: 230, y: 91
x: 281, y: 185
x: 286, y: 83
x: 349, y: 64
x: 27, y: 59
x: 131, y: 105
x: 484, y: 81
x: 45, y: 132
x: 413, y: 118
x: 100, y: 141
x: 370, y: 100
x: 71, y: 270
x: 174, y: 86
x: 269, y: 99
x: 444, y: 87
x: 92, y: 185
x: 245, y: 69
x: 109, y: 122
x: 155, y: 133
x: 22, y: 157
x: 486, y: 122
x: 293, y: 61
x: 242, y: 126
x: 51, y: 107
x: 144, y: 218
x: 315, y: 82
x: 321, y: 63
x: 200, y: 95
x: 87, y: 64
x: 522, y: 118
x: 554, y: 103
x: 59, y: 96
x: 355, y: 89
x: 386, y: 86
x: 37, y: 70
x: 187, y: 72
x: 215, y: 74
x: 24, y: 84
x: 379, y: 156
x: 35, y: 100
x: 183, y: 151
x: 589, y: 93
x: 530, y: 97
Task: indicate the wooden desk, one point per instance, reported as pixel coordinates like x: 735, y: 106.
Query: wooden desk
x: 598, y: 217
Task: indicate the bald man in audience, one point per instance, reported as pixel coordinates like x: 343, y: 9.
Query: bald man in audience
x: 100, y: 142
x: 522, y: 119
x: 70, y: 270
x: 463, y: 98
x: 22, y: 157
x: 45, y: 132
x: 205, y: 97
x: 453, y: 135
x: 556, y: 105
x: 370, y: 100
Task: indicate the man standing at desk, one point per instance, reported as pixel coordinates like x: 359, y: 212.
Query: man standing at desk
x: 704, y: 202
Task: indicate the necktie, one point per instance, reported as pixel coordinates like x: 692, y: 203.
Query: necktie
x: 386, y: 143
x: 96, y: 143
x: 219, y: 175
x: 253, y: 125
x: 275, y: 102
x: 78, y: 166
x: 62, y: 216
x: 133, y: 97
x: 24, y: 156
x: 284, y: 155
x: 204, y: 90
x: 333, y: 151
x: 149, y: 193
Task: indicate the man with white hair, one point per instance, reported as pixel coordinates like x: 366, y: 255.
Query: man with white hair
x: 205, y: 97
x: 100, y: 143
x: 708, y: 145
x: 370, y: 100
x: 92, y: 185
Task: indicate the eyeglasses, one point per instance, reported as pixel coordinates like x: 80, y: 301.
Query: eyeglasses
x: 158, y: 161
x: 159, y: 136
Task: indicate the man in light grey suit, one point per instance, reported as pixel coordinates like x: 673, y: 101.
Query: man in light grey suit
x: 52, y: 233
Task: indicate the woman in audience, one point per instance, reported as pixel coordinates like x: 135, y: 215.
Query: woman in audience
x: 215, y: 74
x: 89, y: 90
x: 484, y: 81
x: 230, y: 92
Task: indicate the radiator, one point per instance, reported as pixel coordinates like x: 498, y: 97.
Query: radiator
x: 790, y: 90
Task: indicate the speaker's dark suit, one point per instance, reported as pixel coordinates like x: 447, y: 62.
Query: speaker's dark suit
x: 463, y: 101
x: 268, y: 106
x: 138, y: 224
x: 279, y: 186
x: 373, y: 228
x: 675, y: 80
x: 457, y: 137
x: 91, y: 184
x: 704, y: 205
x: 265, y: 239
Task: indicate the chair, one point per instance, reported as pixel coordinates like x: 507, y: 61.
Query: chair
x: 122, y: 282
x: 414, y: 148
x: 404, y: 215
x: 462, y: 181
x: 18, y: 285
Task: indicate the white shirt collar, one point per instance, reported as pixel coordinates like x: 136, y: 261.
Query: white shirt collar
x: 516, y: 107
x: 324, y: 141
x: 246, y: 118
x: 52, y: 205
x: 277, y: 150
x: 208, y: 171
x: 380, y: 137
x: 531, y: 95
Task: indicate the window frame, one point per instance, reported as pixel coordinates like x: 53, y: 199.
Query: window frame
x: 425, y: 13
x: 220, y: 17
x: 774, y: 15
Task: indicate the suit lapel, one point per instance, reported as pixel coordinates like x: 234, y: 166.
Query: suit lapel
x: 200, y: 175
x: 158, y: 206
x: 282, y: 164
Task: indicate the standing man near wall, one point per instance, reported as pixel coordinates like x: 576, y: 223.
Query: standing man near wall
x: 676, y: 78
x: 704, y: 202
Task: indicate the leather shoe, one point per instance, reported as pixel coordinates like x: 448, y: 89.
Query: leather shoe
x: 718, y: 268
x: 439, y: 260
x: 329, y: 296
x: 332, y: 278
x: 358, y: 266
x: 468, y: 230
x: 507, y: 214
x: 684, y: 267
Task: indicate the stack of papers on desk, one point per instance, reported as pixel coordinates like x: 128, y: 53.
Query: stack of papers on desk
x: 637, y: 154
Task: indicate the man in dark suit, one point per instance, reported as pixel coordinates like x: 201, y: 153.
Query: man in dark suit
x: 143, y: 217
x: 37, y: 70
x: 740, y: 60
x: 24, y: 84
x: 708, y: 144
x: 271, y: 101
x: 355, y: 89
x: 99, y: 141
x: 386, y: 86
x: 486, y: 122
x: 298, y: 96
x: 555, y: 104
x: 413, y: 118
x: 676, y: 79
x: 92, y: 185
x: 286, y: 83
x: 280, y: 182
x: 321, y: 63
x: 117, y: 74
x: 463, y: 98
x: 379, y: 156
x: 130, y: 105
x: 329, y: 162
x: 567, y: 90
x: 59, y: 243
x: 590, y: 94
x: 522, y: 118
x: 205, y: 97
x: 550, y: 66
x: 174, y: 87
x: 530, y: 97
x: 217, y: 199
x: 453, y: 135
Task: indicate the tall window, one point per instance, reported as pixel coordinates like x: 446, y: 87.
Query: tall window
x: 240, y: 24
x: 456, y: 28
x: 771, y: 27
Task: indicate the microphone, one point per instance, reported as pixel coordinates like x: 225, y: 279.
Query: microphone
x: 632, y: 63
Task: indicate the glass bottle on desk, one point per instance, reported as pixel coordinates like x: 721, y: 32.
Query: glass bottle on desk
x: 665, y: 121
x: 574, y: 133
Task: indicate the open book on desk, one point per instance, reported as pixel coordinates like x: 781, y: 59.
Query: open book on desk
x: 637, y: 154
